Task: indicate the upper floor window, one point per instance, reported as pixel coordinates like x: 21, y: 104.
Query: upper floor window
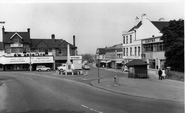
x: 123, y: 51
x: 16, y: 40
x: 123, y: 39
x: 127, y: 52
x: 127, y: 40
x: 139, y: 51
x: 130, y: 38
x: 135, y: 51
x: 8, y: 51
x: 130, y: 51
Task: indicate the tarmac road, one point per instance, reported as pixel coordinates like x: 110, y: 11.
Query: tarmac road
x: 30, y: 92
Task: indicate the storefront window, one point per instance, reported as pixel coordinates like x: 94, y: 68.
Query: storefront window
x: 152, y: 64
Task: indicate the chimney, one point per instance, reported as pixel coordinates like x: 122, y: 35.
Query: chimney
x: 28, y: 30
x: 74, y: 40
x: 144, y: 16
x: 53, y: 37
x: 136, y: 20
x: 3, y: 29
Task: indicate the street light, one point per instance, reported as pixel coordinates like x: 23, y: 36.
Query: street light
x: 98, y: 68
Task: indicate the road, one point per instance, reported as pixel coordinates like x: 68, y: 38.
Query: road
x: 45, y: 92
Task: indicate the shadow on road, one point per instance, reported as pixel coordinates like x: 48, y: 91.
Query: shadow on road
x: 47, y: 111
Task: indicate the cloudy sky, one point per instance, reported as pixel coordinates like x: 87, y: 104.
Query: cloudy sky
x: 94, y: 24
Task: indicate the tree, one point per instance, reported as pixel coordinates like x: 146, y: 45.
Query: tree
x: 88, y: 57
x: 173, y: 37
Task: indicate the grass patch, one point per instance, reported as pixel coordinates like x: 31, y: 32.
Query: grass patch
x: 174, y: 75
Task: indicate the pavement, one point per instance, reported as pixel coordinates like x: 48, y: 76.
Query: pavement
x: 169, y: 90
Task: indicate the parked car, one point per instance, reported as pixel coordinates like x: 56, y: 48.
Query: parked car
x: 43, y: 68
x: 86, y: 67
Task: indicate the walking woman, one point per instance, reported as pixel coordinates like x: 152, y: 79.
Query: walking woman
x: 163, y: 74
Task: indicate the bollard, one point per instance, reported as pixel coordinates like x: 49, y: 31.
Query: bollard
x: 115, y: 80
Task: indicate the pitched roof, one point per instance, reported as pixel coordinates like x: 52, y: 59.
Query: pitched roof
x: 136, y: 62
x: 51, y: 43
x: 7, y: 36
x: 160, y: 24
x: 135, y: 27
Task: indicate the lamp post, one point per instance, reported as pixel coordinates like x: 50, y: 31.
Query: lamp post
x: 30, y: 61
x: 98, y: 68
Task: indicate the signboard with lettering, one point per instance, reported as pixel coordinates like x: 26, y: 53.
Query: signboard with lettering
x: 17, y: 60
x: 42, y: 60
x: 75, y: 57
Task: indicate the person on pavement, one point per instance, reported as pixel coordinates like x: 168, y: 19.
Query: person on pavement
x: 163, y: 74
x: 160, y: 74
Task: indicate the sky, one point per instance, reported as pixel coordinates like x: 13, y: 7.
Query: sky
x: 94, y: 24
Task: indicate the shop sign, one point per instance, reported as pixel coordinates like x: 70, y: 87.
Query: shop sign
x: 75, y: 57
x: 42, y: 60
x: 18, y: 60
x: 16, y: 45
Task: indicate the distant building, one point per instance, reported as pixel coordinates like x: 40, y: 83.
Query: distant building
x: 113, y: 56
x: 100, y: 55
x: 110, y: 57
x: 18, y: 51
x: 134, y: 40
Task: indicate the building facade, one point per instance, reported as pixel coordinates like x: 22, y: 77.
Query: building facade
x: 134, y: 40
x: 114, y: 56
x: 19, y: 52
x: 153, y: 52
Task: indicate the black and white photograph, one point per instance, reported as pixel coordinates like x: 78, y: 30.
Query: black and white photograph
x: 121, y: 56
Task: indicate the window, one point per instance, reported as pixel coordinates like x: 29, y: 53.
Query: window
x: 46, y: 51
x: 60, y: 51
x: 123, y: 39
x: 8, y: 51
x: 127, y: 40
x: 123, y: 51
x: 16, y: 40
x: 151, y: 63
x: 130, y: 51
x: 135, y: 51
x: 139, y: 51
x: 130, y: 38
x: 127, y: 52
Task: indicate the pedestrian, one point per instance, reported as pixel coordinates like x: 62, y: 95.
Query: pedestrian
x: 160, y: 74
x: 163, y: 74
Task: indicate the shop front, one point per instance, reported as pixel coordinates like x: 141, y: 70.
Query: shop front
x: 46, y: 61
x: 23, y: 63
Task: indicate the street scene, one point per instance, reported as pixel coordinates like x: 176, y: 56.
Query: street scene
x: 48, y: 92
x: 120, y: 57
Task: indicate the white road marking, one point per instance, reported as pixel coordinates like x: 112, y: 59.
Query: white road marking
x: 85, y: 106
x: 91, y: 109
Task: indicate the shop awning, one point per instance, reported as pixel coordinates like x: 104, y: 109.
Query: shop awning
x: 108, y: 61
x: 119, y: 62
x: 103, y: 61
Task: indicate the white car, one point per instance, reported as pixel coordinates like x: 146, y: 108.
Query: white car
x: 62, y: 67
x: 42, y: 68
x: 86, y: 67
